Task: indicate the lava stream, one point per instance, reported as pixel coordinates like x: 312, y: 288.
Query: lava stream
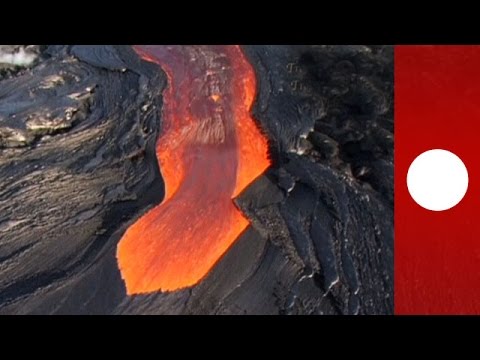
x: 210, y: 149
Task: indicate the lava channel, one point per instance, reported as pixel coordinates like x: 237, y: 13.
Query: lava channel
x: 209, y: 150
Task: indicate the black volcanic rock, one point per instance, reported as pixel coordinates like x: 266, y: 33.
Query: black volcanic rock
x: 66, y: 198
x: 78, y: 166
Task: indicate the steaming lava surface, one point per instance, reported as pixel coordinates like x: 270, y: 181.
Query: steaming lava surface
x: 210, y: 149
x: 125, y: 172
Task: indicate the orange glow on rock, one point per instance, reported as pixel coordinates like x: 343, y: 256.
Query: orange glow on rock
x: 209, y: 150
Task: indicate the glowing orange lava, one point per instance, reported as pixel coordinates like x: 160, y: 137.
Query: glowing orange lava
x: 209, y: 150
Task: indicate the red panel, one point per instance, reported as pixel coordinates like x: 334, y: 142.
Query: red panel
x: 437, y: 105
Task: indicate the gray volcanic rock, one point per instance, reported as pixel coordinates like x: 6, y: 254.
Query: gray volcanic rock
x: 78, y: 166
x: 66, y: 197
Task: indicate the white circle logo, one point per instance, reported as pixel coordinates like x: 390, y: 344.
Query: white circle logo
x: 437, y: 180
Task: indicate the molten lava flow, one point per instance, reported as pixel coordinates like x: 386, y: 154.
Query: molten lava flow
x: 210, y: 149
